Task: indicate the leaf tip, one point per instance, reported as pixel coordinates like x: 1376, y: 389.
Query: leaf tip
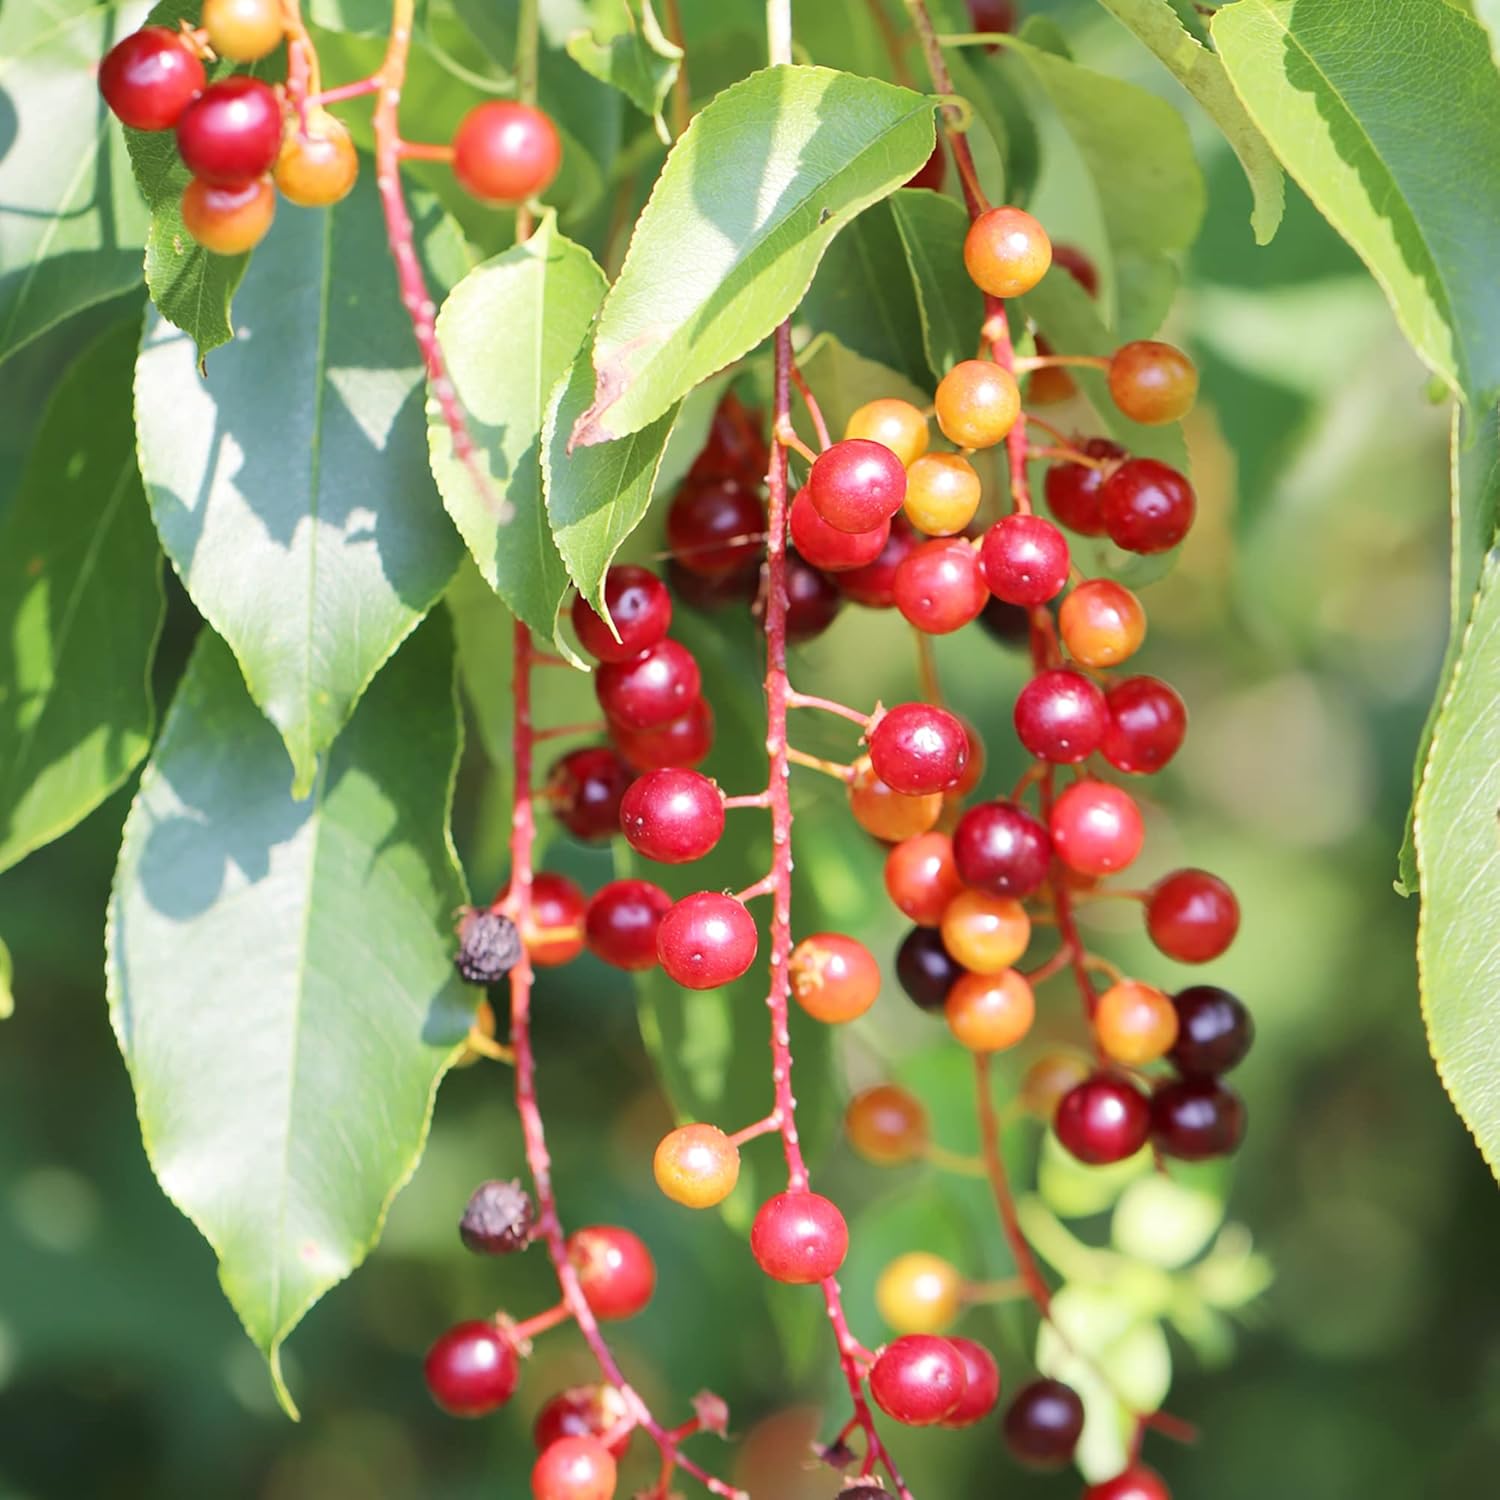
x: 278, y: 1381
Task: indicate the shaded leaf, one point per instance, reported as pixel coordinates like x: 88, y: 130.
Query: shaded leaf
x: 639, y: 59
x: 280, y: 979
x: 932, y: 230
x: 81, y: 606
x: 843, y: 381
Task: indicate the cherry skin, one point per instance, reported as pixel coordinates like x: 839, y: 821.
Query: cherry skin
x: 1000, y: 848
x: 318, y: 168
x: 919, y: 1293
x: 708, y: 595
x: 856, y: 484
x: 706, y: 940
x: 505, y: 151
x: 1050, y: 1077
x: 1135, y: 1024
x: 918, y: 1379
x: 918, y: 748
x: 231, y: 132
x: 1197, y: 1119
x: 1146, y: 506
x: 716, y: 529
x: 621, y: 922
x: 683, y: 741
x: 925, y: 968
x: 1051, y: 384
x: 735, y: 448
x: 1096, y: 828
x: 584, y: 791
x: 615, y: 1270
x: 985, y: 933
x: 942, y: 494
x: 896, y: 424
x: 697, y: 1166
x: 672, y: 816
x: 977, y: 404
x: 886, y: 1125
x: 874, y: 583
x: 555, y: 933
x: 583, y: 1411
x: 834, y: 978
x: 1007, y: 623
x: 932, y: 171
x: 1152, y: 382
x: 228, y: 220
x: 1147, y: 724
x: 1192, y: 916
x: 813, y: 600
x: 574, y: 1468
x: 651, y: 689
x: 1078, y: 265
x: 149, y: 77
x: 243, y: 31
x: 921, y: 877
x: 1101, y: 623
x: 981, y: 1384
x: 939, y: 587
x: 1214, y: 1031
x: 639, y: 605
x: 826, y: 547
x: 1136, y: 1483
x: 1025, y: 560
x: 799, y: 1238
x: 887, y: 814
x: 1006, y: 252
x: 1075, y: 491
x: 990, y: 1012
x: 1061, y: 716
x: 992, y: 15
x: 472, y: 1370
x: 1043, y: 1423
x: 1104, y: 1119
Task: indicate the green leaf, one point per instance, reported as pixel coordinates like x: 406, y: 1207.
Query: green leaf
x: 746, y: 204
x: 638, y: 59
x: 988, y: 83
x: 1475, y: 508
x: 932, y: 230
x: 7, y: 986
x: 290, y: 486
x: 1202, y: 74
x: 1361, y: 102
x: 1487, y: 13
x: 844, y: 381
x: 595, y: 496
x: 71, y: 222
x: 81, y: 606
x: 510, y: 331
x: 280, y: 979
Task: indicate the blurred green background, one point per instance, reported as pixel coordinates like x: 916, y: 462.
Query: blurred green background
x: 1303, y: 625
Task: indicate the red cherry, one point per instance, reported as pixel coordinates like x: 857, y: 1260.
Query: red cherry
x: 706, y: 940
x: 856, y: 484
x: 640, y: 606
x: 932, y: 171
x: 1147, y: 723
x: 506, y: 152
x: 1136, y: 1483
x: 1146, y: 506
x: 1103, y: 1119
x: 799, y: 1238
x: 981, y: 1384
x: 939, y: 587
x: 735, y: 448
x: 921, y: 877
x: 1000, y: 848
x: 1074, y: 491
x: 574, y: 1468
x: 595, y: 1411
x: 149, y: 77
x: 1192, y: 916
x: 828, y: 548
x: 1061, y: 716
x: 584, y: 790
x: 649, y: 690
x: 874, y: 585
x: 926, y: 969
x: 1025, y: 560
x: 1078, y: 265
x: 554, y: 935
x: 673, y: 816
x: 992, y: 15
x: 614, y: 1268
x: 1197, y: 1119
x: 231, y: 132
x: 621, y: 922
x: 1096, y: 828
x: 1043, y: 1423
x: 918, y: 748
x: 918, y: 1379
x: 472, y: 1370
x: 812, y: 600
x: 716, y: 529
x: 834, y: 978
x: 710, y: 595
x: 683, y: 741
x: 1214, y: 1031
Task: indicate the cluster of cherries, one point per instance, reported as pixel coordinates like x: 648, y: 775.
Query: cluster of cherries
x: 243, y: 139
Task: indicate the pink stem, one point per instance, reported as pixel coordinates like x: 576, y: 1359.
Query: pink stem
x: 356, y: 90
x: 807, y: 700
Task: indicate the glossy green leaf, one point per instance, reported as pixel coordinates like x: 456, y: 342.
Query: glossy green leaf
x: 932, y: 230
x: 748, y: 201
x: 80, y: 608
x: 638, y: 59
x: 1458, y: 863
x: 1202, y: 74
x: 280, y: 979
x: 1363, y: 103
x: 1487, y: 12
x: 290, y: 485
x: 71, y: 221
x: 510, y: 331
